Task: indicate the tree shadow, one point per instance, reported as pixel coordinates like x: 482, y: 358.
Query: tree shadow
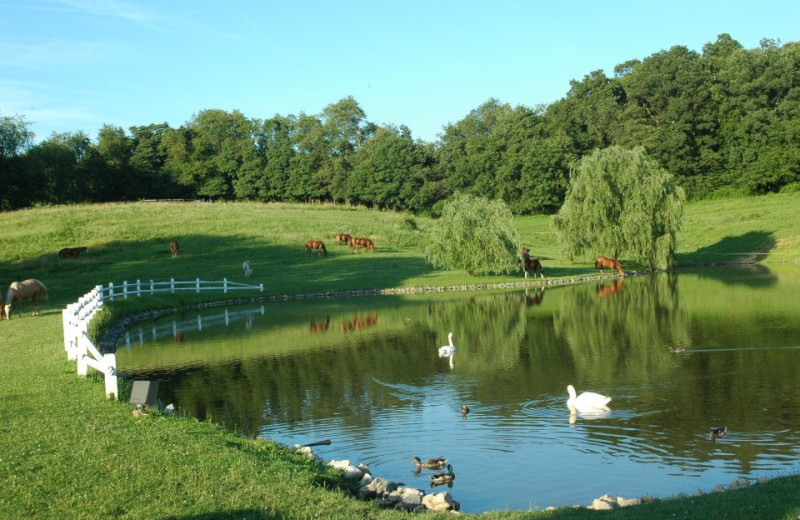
x: 748, y: 248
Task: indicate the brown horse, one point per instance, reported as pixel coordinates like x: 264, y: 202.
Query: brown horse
x: 74, y: 252
x: 603, y: 261
x: 318, y: 245
x: 342, y: 238
x: 319, y: 326
x: 529, y: 264
x: 174, y: 248
x: 27, y: 289
x: 367, y: 243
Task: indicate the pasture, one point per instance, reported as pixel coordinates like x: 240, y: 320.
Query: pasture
x: 69, y: 453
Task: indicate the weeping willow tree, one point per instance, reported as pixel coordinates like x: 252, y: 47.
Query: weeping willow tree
x: 621, y: 203
x: 474, y: 234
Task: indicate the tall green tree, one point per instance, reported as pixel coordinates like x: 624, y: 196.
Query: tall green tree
x: 621, y: 203
x: 474, y: 234
x: 15, y: 139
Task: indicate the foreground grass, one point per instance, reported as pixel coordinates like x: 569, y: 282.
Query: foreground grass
x: 69, y: 453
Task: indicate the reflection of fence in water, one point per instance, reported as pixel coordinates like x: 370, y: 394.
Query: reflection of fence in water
x: 176, y: 328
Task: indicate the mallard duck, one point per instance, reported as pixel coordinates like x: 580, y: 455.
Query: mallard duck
x: 464, y: 410
x: 717, y: 433
x: 587, y: 401
x: 437, y: 463
x: 676, y: 350
x: 438, y: 479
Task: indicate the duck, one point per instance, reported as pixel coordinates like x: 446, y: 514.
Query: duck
x: 437, y: 479
x: 587, y: 401
x: 437, y: 463
x: 676, y: 350
x: 464, y: 410
x: 448, y: 350
x: 718, y: 433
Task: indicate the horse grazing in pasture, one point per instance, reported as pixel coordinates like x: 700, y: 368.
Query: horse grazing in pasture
x: 247, y: 268
x: 603, y: 261
x: 342, y: 238
x: 27, y: 289
x: 74, y: 252
x: 175, y: 248
x: 365, y: 242
x: 614, y: 288
x: 318, y: 245
x: 529, y: 264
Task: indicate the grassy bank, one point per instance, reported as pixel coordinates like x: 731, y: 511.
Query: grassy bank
x: 69, y: 453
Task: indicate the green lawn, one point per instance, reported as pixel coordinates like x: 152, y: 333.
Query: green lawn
x: 69, y: 453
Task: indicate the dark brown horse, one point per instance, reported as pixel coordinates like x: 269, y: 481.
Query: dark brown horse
x: 74, y: 252
x: 365, y: 242
x: 318, y: 245
x: 174, y: 248
x: 529, y: 264
x: 603, y: 261
x: 342, y: 238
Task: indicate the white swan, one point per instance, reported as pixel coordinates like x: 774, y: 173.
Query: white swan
x: 587, y: 401
x: 448, y: 350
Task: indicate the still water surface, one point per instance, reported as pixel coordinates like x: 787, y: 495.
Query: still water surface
x: 365, y: 373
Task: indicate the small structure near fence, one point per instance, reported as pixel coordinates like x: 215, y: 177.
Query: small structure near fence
x: 76, y: 317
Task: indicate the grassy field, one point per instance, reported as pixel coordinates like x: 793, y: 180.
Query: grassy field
x: 69, y: 453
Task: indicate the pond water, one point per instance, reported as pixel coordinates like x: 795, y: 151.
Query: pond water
x: 365, y: 373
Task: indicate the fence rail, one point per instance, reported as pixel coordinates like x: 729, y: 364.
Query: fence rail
x: 77, y: 316
x: 139, y: 287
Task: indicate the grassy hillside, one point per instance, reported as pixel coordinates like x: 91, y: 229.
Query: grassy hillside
x: 68, y: 453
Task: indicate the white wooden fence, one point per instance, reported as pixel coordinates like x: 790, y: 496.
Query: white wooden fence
x: 76, y: 317
x: 137, y: 288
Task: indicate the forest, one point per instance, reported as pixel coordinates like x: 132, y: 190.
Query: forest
x: 724, y: 121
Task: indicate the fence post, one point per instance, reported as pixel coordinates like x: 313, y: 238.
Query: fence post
x: 111, y: 291
x: 172, y: 285
x: 197, y: 284
x: 224, y: 286
x: 83, y: 367
x: 262, y: 287
x: 138, y: 287
x: 112, y: 384
x: 125, y: 289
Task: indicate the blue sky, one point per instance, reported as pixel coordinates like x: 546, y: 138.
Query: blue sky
x: 69, y: 65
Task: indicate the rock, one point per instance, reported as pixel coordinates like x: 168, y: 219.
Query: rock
x: 341, y: 465
x: 604, y: 503
x: 377, y: 488
x: 439, y: 502
x: 739, y: 483
x: 762, y: 480
x: 697, y: 493
x: 719, y: 488
x: 626, y: 502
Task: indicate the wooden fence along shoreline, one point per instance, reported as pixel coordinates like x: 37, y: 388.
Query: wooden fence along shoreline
x: 76, y: 317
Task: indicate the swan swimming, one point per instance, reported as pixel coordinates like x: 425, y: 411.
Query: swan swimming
x: 587, y: 401
x: 448, y: 350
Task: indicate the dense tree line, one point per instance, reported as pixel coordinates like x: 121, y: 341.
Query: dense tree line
x: 726, y: 120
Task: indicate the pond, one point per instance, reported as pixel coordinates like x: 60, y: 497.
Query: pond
x: 365, y: 373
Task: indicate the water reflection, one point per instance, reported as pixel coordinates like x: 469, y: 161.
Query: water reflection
x: 379, y: 390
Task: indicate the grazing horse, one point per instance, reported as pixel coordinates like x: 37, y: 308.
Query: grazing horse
x: 248, y: 269
x: 74, y: 252
x: 318, y: 245
x: 342, y: 238
x: 529, y: 264
x: 367, y: 243
x: 27, y: 289
x: 603, y: 261
x: 175, y: 248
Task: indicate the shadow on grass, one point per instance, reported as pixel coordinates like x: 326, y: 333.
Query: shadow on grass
x: 748, y: 248
x: 282, y: 268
